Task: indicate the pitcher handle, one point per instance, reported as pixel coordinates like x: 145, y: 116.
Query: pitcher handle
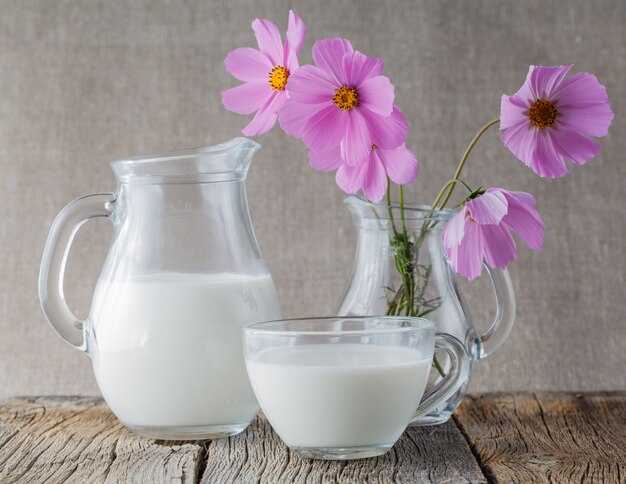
x: 505, y: 313
x: 454, y: 379
x: 52, y: 270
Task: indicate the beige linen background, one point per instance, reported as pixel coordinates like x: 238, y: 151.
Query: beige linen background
x: 83, y: 83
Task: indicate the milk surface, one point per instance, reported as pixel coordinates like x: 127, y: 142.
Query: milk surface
x: 166, y: 348
x: 339, y: 395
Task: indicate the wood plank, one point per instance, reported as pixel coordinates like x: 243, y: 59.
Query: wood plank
x: 430, y: 454
x: 79, y: 440
x: 547, y: 437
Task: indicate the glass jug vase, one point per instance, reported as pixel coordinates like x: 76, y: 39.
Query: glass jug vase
x: 182, y: 276
x: 382, y: 272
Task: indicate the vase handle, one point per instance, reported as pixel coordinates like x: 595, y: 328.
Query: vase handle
x: 505, y: 313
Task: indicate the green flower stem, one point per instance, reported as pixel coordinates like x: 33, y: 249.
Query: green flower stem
x: 459, y: 168
x: 446, y: 187
x: 388, y: 195
x: 438, y: 366
x: 401, y: 197
x: 413, y: 283
x: 446, y: 191
x: 428, y: 220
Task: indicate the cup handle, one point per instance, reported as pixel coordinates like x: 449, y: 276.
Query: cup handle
x: 454, y: 379
x: 505, y: 313
x: 52, y: 270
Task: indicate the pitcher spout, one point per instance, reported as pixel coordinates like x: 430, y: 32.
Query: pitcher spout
x: 227, y: 161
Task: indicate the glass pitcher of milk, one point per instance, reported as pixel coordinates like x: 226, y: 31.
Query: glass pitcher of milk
x: 183, y: 275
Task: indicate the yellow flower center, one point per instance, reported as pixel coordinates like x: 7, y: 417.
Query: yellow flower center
x: 543, y: 113
x: 278, y: 78
x: 346, y: 98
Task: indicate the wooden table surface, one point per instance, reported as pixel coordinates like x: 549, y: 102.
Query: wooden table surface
x: 532, y: 437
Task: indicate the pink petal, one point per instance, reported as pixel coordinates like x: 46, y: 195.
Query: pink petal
x: 512, y: 112
x: 524, y: 219
x: 580, y: 90
x: 400, y: 164
x: 377, y: 94
x: 518, y: 139
x: 500, y: 248
x: 262, y: 122
x: 583, y: 105
x: 387, y: 131
x: 296, y: 32
x: 524, y: 94
x: 454, y: 230
x: 294, y: 116
x: 247, y: 98
x: 489, y: 208
x: 290, y: 60
x: 587, y: 121
x: 350, y: 178
x: 325, y: 129
x: 359, y: 67
x: 536, y: 149
x: 311, y: 85
x: 374, y: 180
x: 248, y: 64
x: 328, y: 55
x: 357, y: 143
x: 265, y: 118
x: 574, y: 147
x: 467, y: 257
x: 269, y: 40
x: 523, y: 197
x: 545, y: 161
x: 326, y: 160
x: 545, y: 79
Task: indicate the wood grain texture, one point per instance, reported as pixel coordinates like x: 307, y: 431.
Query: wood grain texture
x: 547, y: 437
x: 79, y: 440
x: 432, y: 454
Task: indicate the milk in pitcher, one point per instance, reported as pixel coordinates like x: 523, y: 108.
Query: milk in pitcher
x: 172, y: 341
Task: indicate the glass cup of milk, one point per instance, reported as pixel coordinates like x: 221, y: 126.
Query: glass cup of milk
x: 346, y: 388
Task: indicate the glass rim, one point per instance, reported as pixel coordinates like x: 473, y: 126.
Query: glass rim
x: 416, y: 324
x: 236, y: 144
x: 380, y: 210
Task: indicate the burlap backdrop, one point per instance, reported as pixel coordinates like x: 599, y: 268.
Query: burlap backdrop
x: 86, y: 82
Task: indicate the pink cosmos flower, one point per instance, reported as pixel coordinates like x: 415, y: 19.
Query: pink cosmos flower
x: 399, y: 164
x: 482, y: 228
x: 265, y: 73
x: 341, y: 101
x: 550, y: 119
